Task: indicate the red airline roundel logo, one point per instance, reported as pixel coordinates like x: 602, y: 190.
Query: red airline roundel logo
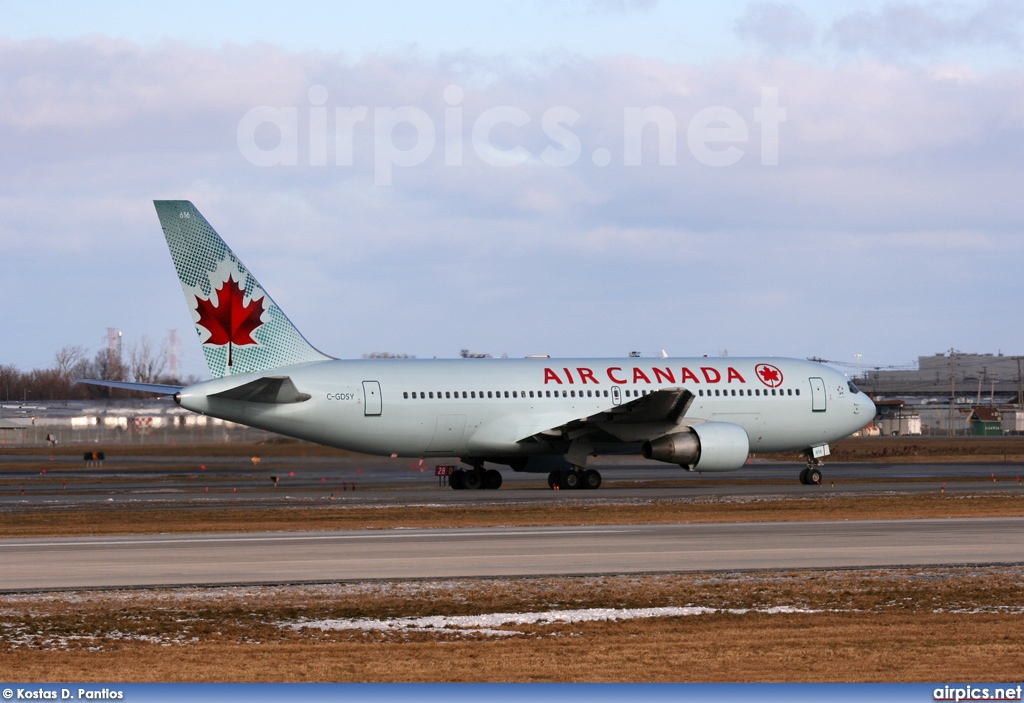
x: 770, y: 375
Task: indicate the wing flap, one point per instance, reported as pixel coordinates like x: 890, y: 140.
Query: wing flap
x: 653, y: 415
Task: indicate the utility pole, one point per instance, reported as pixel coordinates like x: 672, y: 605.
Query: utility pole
x: 952, y: 387
x: 1020, y: 387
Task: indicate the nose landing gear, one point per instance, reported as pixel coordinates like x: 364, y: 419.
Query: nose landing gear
x: 811, y: 476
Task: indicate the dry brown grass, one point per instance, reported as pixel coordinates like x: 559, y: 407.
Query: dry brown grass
x: 911, y: 450
x: 881, y: 625
x: 110, y: 521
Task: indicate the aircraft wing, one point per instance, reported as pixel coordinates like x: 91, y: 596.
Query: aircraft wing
x: 653, y: 415
x: 157, y: 388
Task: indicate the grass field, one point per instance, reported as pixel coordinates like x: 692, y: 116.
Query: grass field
x: 109, y: 521
x: 879, y: 625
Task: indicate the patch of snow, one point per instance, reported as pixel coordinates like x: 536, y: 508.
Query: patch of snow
x: 487, y: 622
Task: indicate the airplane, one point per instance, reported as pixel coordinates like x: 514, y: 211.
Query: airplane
x: 535, y: 414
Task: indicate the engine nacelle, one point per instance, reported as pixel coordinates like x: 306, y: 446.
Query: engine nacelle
x: 709, y: 446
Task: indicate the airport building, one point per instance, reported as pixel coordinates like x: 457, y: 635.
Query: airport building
x: 949, y: 393
x: 974, y: 376
x: 114, y: 422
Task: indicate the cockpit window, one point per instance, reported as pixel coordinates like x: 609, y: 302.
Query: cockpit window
x: 853, y: 387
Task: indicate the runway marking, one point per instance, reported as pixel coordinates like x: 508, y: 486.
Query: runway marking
x: 307, y: 537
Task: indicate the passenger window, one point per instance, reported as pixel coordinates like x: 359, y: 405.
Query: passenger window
x: 506, y: 394
x: 789, y: 391
x: 406, y: 395
x: 734, y: 391
x: 798, y: 391
x: 489, y: 394
x: 773, y: 391
x: 431, y: 395
x: 565, y: 394
x: 447, y: 394
x: 514, y: 394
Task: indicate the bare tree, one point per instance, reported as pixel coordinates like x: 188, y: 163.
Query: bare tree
x: 145, y: 362
x: 67, y: 358
x: 10, y: 381
x: 107, y: 366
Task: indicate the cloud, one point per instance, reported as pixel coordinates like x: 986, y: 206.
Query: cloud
x: 775, y: 27
x: 901, y: 29
x: 882, y: 168
x: 622, y: 5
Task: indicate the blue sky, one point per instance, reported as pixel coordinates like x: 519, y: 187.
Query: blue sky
x: 890, y: 226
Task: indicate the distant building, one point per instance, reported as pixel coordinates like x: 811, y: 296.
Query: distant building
x: 893, y: 419
x: 986, y: 421
x: 965, y: 374
x: 1012, y: 421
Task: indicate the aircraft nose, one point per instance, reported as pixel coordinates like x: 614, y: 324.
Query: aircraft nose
x: 867, y: 406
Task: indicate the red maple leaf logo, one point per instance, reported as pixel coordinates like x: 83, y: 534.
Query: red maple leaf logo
x: 230, y: 321
x: 770, y: 375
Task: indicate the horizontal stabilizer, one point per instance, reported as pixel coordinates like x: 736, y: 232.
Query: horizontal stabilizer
x: 271, y: 389
x: 157, y: 388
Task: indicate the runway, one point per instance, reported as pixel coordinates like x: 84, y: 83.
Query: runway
x: 177, y: 560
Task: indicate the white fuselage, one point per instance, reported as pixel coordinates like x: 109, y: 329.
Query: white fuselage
x: 490, y: 407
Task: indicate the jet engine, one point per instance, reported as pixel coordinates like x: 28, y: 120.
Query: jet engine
x: 709, y: 446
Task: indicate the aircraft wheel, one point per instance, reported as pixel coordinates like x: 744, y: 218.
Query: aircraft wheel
x: 591, y: 479
x: 553, y: 478
x: 472, y: 480
x: 570, y: 479
x: 492, y: 479
x: 455, y: 480
x: 814, y: 476
x: 803, y: 477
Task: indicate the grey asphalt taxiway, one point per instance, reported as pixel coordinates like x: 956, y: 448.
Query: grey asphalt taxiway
x: 176, y: 482
x: 177, y: 560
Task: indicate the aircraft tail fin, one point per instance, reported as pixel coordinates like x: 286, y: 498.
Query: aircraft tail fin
x: 240, y: 328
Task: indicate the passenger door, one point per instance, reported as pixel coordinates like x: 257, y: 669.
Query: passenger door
x: 817, y: 395
x: 371, y: 398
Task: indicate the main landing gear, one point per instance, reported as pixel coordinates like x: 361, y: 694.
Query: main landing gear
x: 574, y: 478
x: 473, y: 479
